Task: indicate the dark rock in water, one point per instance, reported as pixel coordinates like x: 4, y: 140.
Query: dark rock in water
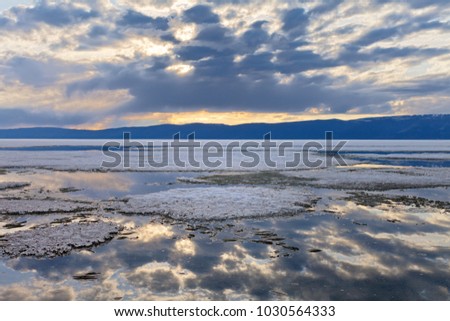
x: 69, y: 189
x: 63, y: 220
x: 87, y: 276
x: 315, y: 250
x: 11, y: 226
x: 292, y: 248
x: 229, y: 240
x: 13, y: 185
x: 262, y: 242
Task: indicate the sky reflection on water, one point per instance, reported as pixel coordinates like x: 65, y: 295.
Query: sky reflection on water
x: 343, y: 251
x: 370, y: 260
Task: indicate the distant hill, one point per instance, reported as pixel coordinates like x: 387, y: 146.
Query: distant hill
x: 398, y: 127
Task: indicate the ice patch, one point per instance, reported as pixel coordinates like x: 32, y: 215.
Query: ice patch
x: 51, y: 241
x: 218, y: 203
x: 22, y: 207
x: 375, y: 179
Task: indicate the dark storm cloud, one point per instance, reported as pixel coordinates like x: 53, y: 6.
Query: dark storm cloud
x: 138, y: 20
x: 57, y: 15
x: 200, y: 14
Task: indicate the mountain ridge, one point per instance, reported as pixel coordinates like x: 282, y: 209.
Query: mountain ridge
x: 389, y: 127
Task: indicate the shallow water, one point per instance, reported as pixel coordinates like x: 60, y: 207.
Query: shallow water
x: 343, y: 250
x: 99, y: 185
x: 348, y: 252
x: 324, y: 257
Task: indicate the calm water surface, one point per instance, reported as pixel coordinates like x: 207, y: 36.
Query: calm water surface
x: 351, y: 252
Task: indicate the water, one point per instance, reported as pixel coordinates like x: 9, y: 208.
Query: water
x: 99, y: 185
x: 377, y: 261
x: 88, y: 155
x: 344, y: 250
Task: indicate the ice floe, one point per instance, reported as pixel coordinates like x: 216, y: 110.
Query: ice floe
x: 217, y: 203
x: 372, y: 179
x: 50, y: 240
x: 36, y: 206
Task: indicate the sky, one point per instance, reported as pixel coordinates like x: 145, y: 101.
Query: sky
x: 102, y: 63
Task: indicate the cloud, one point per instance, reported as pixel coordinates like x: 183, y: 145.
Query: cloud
x: 98, y: 31
x: 326, y: 6
x: 37, y: 73
x: 220, y: 55
x: 4, y: 21
x: 417, y: 4
x: 295, y: 20
x: 353, y: 56
x: 57, y: 15
x: 256, y: 35
x: 17, y: 117
x: 138, y: 20
x: 200, y: 14
x: 196, y: 52
x: 294, y: 61
x: 401, y: 30
x: 213, y: 34
x: 154, y: 93
x: 421, y: 87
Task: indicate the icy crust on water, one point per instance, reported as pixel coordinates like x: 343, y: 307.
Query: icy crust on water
x: 374, y: 178
x: 217, y: 203
x: 51, y: 241
x: 33, y: 206
x: 359, y: 177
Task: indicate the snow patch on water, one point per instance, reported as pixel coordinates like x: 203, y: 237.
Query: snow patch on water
x: 33, y: 206
x: 218, y: 203
x: 375, y: 178
x: 51, y: 241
